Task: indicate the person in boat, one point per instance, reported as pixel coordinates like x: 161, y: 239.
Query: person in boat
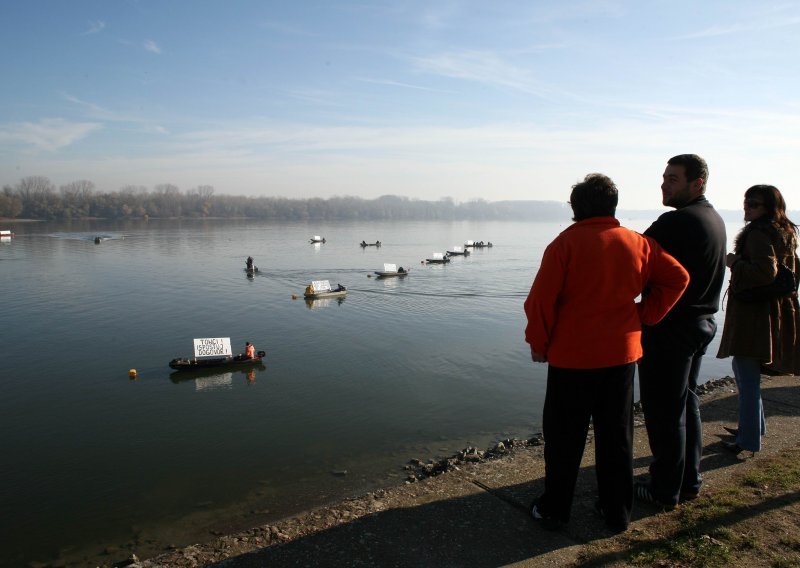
x: 401, y: 270
x: 363, y: 243
x: 249, y: 263
x: 249, y: 351
x: 309, y: 290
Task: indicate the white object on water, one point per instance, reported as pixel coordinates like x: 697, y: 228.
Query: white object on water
x: 321, y: 286
x: 389, y: 267
x: 212, y: 347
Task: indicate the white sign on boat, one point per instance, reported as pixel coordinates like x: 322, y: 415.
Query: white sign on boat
x: 389, y: 267
x: 212, y: 347
x: 316, y: 238
x: 456, y: 248
x: 438, y: 256
x: 470, y: 243
x: 321, y: 286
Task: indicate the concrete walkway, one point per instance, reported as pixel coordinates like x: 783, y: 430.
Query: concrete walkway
x: 478, y: 516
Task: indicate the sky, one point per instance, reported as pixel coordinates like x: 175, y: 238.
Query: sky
x: 424, y: 99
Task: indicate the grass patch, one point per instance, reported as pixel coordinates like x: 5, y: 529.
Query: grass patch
x: 722, y: 529
x: 774, y: 475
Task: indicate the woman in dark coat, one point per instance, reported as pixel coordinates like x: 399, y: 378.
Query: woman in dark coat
x: 763, y: 333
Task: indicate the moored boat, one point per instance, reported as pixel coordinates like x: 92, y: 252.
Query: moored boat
x: 458, y: 251
x: 438, y: 258
x: 322, y: 289
x: 241, y: 360
x: 390, y: 270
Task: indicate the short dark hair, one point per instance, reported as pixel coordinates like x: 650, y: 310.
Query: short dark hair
x: 595, y: 196
x: 694, y: 165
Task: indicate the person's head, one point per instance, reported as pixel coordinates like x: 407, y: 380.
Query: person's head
x: 684, y: 180
x: 766, y: 201
x: 595, y: 196
x: 247, y: 344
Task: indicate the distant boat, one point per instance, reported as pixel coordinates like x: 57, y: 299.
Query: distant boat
x: 477, y: 244
x: 390, y: 270
x: 438, y: 258
x: 365, y: 244
x: 317, y: 239
x: 6, y: 235
x: 458, y: 251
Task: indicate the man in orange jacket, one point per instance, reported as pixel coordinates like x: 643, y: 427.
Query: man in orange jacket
x: 583, y: 320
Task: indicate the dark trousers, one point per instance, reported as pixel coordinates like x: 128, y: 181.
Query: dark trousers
x: 668, y: 374
x: 574, y: 396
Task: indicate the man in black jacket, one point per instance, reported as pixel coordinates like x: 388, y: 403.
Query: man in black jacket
x: 695, y: 235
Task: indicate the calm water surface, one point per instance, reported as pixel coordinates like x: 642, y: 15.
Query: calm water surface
x: 418, y: 367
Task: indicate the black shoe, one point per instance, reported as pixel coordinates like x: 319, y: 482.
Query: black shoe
x: 641, y: 492
x: 615, y: 528
x: 731, y: 431
x: 689, y: 496
x: 548, y: 523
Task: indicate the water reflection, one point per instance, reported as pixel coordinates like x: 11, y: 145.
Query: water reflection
x: 211, y: 376
x: 323, y: 302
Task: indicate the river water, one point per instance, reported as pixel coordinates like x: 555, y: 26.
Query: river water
x: 350, y: 390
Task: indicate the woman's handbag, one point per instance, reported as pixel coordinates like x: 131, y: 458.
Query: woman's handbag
x: 785, y: 284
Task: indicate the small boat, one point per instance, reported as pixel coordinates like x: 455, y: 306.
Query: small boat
x: 4, y: 234
x: 251, y: 271
x: 185, y: 364
x: 322, y: 289
x: 390, y: 270
x: 458, y: 251
x: 317, y: 239
x: 438, y: 258
x: 365, y: 244
x: 477, y: 244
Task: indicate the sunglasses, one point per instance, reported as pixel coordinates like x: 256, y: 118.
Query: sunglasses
x: 752, y: 203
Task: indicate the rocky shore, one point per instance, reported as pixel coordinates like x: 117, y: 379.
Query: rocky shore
x: 426, y: 482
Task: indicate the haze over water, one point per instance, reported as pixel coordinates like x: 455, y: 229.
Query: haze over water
x: 350, y: 391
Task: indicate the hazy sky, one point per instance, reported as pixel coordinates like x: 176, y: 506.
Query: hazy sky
x: 426, y: 99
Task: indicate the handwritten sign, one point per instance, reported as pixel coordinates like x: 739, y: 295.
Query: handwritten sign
x: 212, y: 347
x: 321, y: 286
x: 389, y: 267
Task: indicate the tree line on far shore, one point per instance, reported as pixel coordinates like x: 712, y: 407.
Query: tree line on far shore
x: 36, y: 197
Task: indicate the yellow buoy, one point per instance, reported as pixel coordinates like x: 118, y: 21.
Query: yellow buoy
x: 132, y: 373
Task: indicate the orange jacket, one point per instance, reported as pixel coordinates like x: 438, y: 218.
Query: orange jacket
x: 250, y: 352
x: 582, y: 311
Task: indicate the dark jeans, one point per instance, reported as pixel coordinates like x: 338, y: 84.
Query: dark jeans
x: 668, y: 374
x: 574, y: 396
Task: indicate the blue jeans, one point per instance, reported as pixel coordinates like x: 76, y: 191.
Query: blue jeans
x: 752, y: 424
